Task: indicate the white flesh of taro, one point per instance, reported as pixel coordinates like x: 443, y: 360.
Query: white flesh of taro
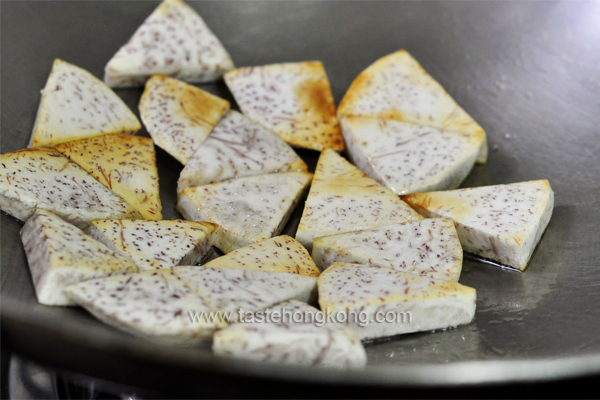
x: 156, y: 244
x: 429, y: 247
x: 294, y: 100
x: 502, y: 222
x: 151, y: 304
x: 178, y: 116
x: 397, y: 87
x: 248, y: 210
x: 44, y: 178
x: 344, y: 199
x: 409, y: 158
x: 125, y: 164
x: 238, y: 147
x: 60, y: 254
x: 291, y: 333
x: 76, y: 105
x: 378, y: 302
x: 278, y: 254
x: 236, y: 293
x: 173, y: 40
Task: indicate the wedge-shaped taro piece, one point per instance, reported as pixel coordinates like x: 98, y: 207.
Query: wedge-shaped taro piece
x: 60, y: 254
x: 125, y: 164
x: 76, y: 105
x: 293, y: 333
x: 175, y: 41
x: 156, y: 244
x: 151, y: 304
x: 397, y: 87
x: 409, y: 158
x: 44, y: 178
x: 178, y: 116
x: 238, y: 147
x: 236, y: 293
x: 378, y: 302
x: 429, y: 247
x: 344, y: 199
x: 279, y: 254
x: 502, y: 222
x: 248, y: 210
x: 294, y: 100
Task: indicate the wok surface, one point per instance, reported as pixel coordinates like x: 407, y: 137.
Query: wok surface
x: 526, y: 71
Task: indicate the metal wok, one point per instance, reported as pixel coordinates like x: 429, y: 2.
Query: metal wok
x: 526, y: 71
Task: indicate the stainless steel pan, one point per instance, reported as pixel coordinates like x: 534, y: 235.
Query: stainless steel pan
x: 526, y: 71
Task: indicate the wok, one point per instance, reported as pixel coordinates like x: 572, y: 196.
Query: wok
x: 526, y: 71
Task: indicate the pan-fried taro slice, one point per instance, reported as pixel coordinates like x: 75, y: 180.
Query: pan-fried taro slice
x: 410, y: 158
x: 397, y: 87
x: 238, y: 147
x: 44, y: 178
x: 502, y: 222
x: 294, y: 100
x: 248, y: 210
x: 278, y: 254
x: 156, y: 244
x: 76, y: 105
x: 60, y: 254
x: 236, y: 293
x: 151, y: 304
x: 174, y: 41
x: 378, y: 302
x: 178, y: 116
x: 429, y: 247
x: 293, y: 333
x: 344, y: 199
x: 125, y: 164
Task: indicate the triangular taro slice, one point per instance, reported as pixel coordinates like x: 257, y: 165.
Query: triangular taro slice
x: 178, y: 116
x: 397, y: 87
x: 151, y: 304
x: 429, y: 247
x: 156, y: 244
x: 238, y: 147
x: 237, y: 293
x: 278, y: 254
x: 502, y: 222
x: 174, y: 41
x: 44, y: 178
x: 293, y: 333
x: 125, y: 164
x: 294, y: 100
x: 336, y: 170
x: 410, y: 158
x: 60, y: 254
x: 76, y: 105
x: 379, y: 302
x: 248, y: 210
x: 344, y: 199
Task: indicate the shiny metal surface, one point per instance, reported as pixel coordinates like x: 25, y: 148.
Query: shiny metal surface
x: 526, y: 71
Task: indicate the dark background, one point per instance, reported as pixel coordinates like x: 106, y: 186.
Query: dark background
x: 528, y: 72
